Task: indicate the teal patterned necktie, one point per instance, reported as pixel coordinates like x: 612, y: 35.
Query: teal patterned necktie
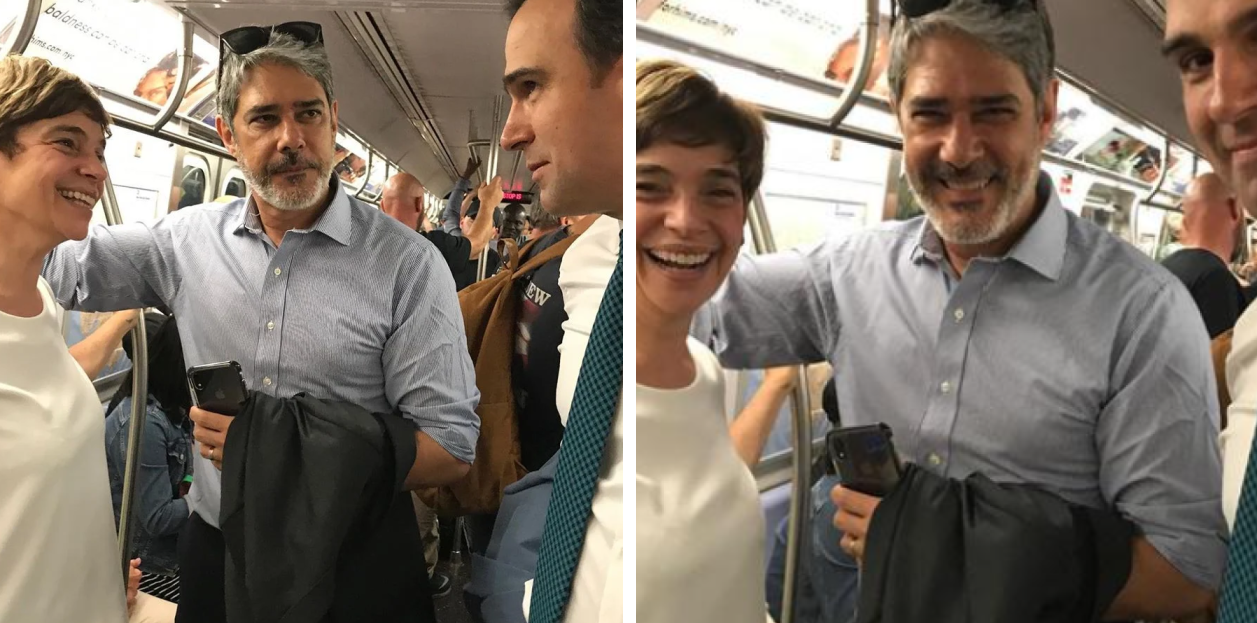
x: 1239, y: 590
x: 588, y: 426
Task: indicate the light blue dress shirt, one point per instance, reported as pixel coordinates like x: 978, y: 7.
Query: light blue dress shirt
x: 1074, y: 363
x: 356, y: 308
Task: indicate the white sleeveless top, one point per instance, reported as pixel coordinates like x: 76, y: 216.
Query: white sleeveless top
x: 700, y: 530
x: 59, y: 560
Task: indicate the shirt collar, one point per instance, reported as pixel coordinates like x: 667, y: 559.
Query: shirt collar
x: 1041, y: 249
x: 335, y: 223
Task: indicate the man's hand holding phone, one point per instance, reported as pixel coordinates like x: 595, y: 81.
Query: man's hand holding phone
x: 866, y: 463
x: 215, y: 387
x: 855, y: 511
x: 210, y: 433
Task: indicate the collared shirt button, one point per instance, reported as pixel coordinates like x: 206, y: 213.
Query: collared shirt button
x: 270, y: 326
x: 935, y: 459
x: 267, y: 381
x: 945, y: 387
x: 278, y: 271
x: 959, y: 314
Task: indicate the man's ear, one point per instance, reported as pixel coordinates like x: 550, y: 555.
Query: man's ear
x: 224, y: 132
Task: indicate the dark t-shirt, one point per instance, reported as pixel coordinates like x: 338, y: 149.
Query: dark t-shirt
x: 1217, y: 293
x: 455, y: 249
x: 536, y: 367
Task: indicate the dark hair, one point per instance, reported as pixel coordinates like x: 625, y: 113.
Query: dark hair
x: 599, y: 32
x: 33, y: 89
x: 517, y: 207
x: 829, y: 402
x: 678, y: 105
x: 167, y: 383
x: 474, y: 210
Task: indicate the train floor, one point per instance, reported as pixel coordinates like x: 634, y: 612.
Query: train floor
x: 450, y: 608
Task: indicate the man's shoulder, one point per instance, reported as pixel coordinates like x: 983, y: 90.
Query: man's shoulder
x: 1098, y: 254
x: 388, y: 237
x: 1192, y: 264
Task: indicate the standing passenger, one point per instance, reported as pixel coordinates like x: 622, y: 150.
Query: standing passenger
x: 58, y: 549
x: 307, y: 288
x: 1210, y: 42
x: 700, y: 158
x: 1000, y: 334
x: 565, y: 77
x: 1210, y: 223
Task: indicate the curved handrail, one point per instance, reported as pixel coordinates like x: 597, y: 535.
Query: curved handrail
x: 139, y: 409
x: 366, y: 176
x: 801, y: 426
x: 1152, y: 192
x: 183, y: 74
x: 1165, y: 172
x: 864, y: 63
x: 25, y: 32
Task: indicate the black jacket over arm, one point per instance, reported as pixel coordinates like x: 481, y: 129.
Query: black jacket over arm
x: 317, y: 524
x: 973, y: 551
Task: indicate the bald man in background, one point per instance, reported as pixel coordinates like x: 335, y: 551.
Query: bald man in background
x: 1211, y: 219
x: 403, y: 200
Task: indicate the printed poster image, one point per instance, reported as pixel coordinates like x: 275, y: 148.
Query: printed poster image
x: 96, y: 40
x: 1062, y: 141
x: 349, y: 166
x: 1116, y: 151
x: 842, y: 65
x: 812, y: 38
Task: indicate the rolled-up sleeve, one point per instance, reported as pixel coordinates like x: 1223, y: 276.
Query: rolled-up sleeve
x: 777, y: 309
x: 1157, y: 435
x: 427, y: 370
x: 452, y: 216
x: 115, y: 267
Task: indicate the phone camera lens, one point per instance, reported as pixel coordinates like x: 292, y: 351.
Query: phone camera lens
x: 200, y: 386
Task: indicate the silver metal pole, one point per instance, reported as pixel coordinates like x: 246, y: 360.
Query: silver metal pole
x: 868, y: 45
x: 495, y: 142
x: 139, y: 409
x: 471, y: 149
x: 1152, y: 192
x: 801, y: 488
x: 366, y: 177
x: 25, y: 31
x: 183, y: 74
x: 515, y: 169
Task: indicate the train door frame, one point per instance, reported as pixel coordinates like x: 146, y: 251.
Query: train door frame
x: 209, y: 170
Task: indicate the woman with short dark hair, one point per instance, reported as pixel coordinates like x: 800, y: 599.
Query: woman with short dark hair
x: 58, y: 545
x: 700, y: 158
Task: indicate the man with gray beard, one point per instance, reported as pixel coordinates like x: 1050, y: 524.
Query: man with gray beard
x: 310, y: 290
x: 1000, y: 334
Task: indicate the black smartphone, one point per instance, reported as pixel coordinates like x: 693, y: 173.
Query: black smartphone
x: 864, y: 458
x: 218, y: 387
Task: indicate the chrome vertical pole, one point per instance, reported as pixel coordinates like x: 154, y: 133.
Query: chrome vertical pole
x: 801, y: 487
x: 139, y: 409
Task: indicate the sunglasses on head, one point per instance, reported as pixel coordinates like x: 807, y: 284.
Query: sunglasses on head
x: 913, y: 9
x: 246, y: 39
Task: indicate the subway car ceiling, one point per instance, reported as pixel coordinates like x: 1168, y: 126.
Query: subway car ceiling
x: 1113, y: 47
x: 418, y: 80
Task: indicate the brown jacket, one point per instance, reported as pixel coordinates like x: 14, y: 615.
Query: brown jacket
x: 490, y: 314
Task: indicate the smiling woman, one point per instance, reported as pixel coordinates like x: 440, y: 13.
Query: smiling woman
x: 56, y: 519
x: 699, y: 158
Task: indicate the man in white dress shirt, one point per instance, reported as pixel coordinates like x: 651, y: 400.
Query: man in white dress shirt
x: 565, y: 77
x: 1209, y: 43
